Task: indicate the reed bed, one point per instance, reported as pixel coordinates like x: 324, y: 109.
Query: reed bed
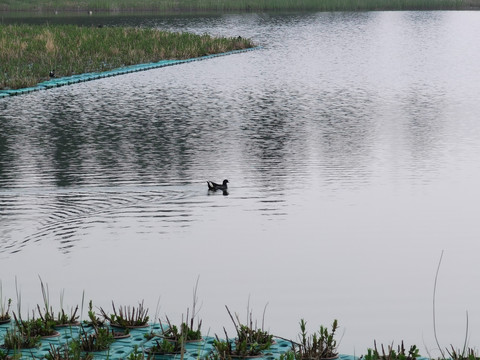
x: 236, y: 5
x: 28, y: 53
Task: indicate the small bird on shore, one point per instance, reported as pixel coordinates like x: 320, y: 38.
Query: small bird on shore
x: 51, y: 73
x: 214, y: 186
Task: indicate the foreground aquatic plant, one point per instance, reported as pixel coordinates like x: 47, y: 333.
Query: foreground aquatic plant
x: 185, y: 332
x: 223, y: 349
x: 321, y: 345
x: 93, y: 319
x: 127, y: 316
x: 34, y: 327
x: 4, y: 356
x: 22, y: 335
x: 250, y: 340
x: 14, y: 339
x: 167, y: 347
x: 464, y: 354
x: 61, y: 319
x: 65, y: 352
x: 28, y: 53
x: 4, y: 307
x: 136, y: 354
x: 391, y: 353
x: 249, y: 334
x: 99, y: 340
x: 228, y: 348
x: 187, y: 329
x: 47, y: 314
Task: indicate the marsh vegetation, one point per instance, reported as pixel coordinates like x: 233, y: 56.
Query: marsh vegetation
x: 29, y: 53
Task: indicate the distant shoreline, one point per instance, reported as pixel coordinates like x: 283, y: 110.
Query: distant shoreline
x: 168, y: 7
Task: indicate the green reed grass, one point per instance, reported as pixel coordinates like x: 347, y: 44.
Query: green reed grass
x: 28, y: 52
x: 236, y: 5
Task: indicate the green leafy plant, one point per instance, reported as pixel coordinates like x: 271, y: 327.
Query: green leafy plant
x: 321, y: 345
x: 173, y: 333
x: 136, y: 354
x: 21, y: 335
x: 66, y: 353
x: 250, y: 340
x: 223, y: 349
x: 289, y: 355
x: 99, y: 340
x: 250, y: 335
x: 229, y: 349
x: 34, y: 327
x: 391, y: 353
x: 14, y: 339
x: 127, y: 316
x: 93, y: 319
x: 167, y: 347
x: 150, y: 335
x: 5, y: 356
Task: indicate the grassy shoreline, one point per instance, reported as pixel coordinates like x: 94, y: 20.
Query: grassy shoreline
x: 186, y: 6
x: 29, y: 52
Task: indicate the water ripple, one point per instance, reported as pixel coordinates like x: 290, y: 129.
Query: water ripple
x: 66, y: 215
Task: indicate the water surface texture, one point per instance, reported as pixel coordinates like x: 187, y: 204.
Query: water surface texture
x: 351, y: 142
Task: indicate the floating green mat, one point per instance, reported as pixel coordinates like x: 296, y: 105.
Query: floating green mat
x: 122, y: 348
x: 74, y: 79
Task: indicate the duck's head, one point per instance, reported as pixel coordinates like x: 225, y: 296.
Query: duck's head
x: 225, y: 182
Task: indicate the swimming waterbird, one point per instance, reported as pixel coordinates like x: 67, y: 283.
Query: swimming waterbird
x: 214, y: 186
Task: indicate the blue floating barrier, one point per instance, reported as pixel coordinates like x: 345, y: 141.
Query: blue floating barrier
x: 61, y: 83
x: 74, y: 79
x: 22, y: 91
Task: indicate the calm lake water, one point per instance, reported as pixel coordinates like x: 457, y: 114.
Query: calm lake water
x: 351, y: 142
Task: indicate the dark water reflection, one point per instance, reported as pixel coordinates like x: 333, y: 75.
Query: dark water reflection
x: 351, y: 144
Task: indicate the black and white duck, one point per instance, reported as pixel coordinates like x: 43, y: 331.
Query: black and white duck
x: 214, y: 186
